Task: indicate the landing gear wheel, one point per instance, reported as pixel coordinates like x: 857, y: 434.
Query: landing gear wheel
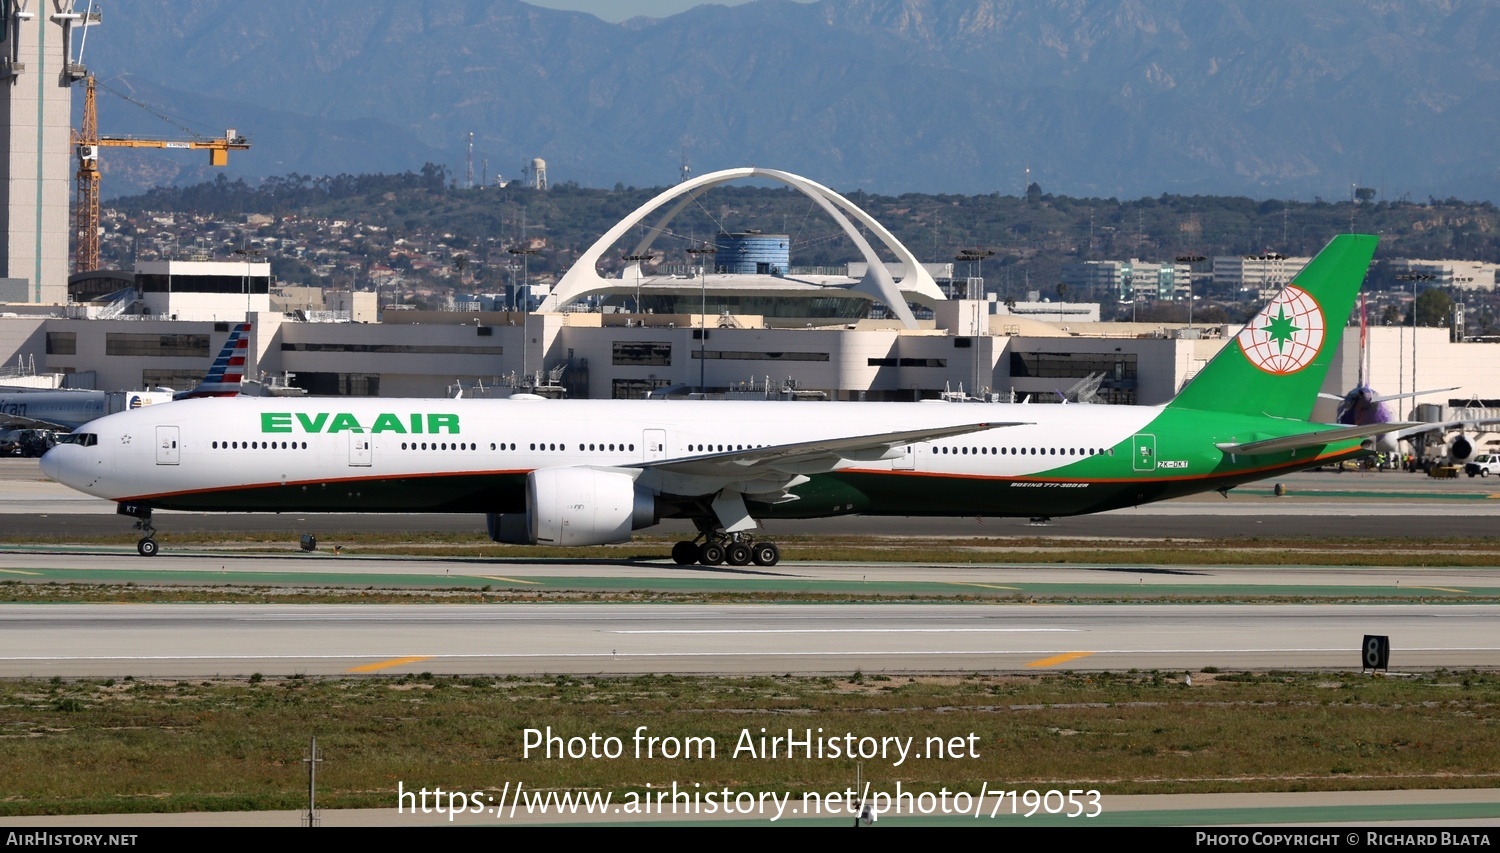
x: 737, y: 554
x: 765, y: 554
x: 711, y: 554
x: 147, y: 547
x: 685, y: 553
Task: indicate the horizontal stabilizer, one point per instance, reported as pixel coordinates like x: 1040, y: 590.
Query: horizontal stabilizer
x: 1310, y: 439
x: 1381, y: 398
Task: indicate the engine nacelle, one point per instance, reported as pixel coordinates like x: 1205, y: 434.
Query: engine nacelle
x: 576, y: 506
x: 511, y: 528
x: 1460, y: 450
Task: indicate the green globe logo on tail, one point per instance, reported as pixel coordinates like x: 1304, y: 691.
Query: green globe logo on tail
x: 1287, y: 334
x: 1284, y: 353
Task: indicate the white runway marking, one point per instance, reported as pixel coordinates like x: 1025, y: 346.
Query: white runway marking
x: 750, y: 653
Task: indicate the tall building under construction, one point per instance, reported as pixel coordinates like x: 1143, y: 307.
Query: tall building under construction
x: 37, y: 72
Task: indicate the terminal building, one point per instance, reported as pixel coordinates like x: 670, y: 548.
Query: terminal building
x: 744, y: 322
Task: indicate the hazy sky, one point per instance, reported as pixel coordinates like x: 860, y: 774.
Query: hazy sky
x: 619, y: 10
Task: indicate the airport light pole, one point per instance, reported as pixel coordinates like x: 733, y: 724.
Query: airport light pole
x: 698, y: 253
x: 245, y: 255
x: 1414, y: 277
x: 525, y: 253
x: 974, y: 257
x: 638, y: 260
x: 1190, y: 259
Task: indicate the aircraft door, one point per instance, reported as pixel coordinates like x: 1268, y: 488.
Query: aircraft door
x: 168, y: 445
x: 907, y: 461
x: 654, y: 443
x: 360, y: 451
x: 1143, y: 453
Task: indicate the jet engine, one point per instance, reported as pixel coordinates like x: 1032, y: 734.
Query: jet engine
x: 576, y: 506
x: 1460, y: 450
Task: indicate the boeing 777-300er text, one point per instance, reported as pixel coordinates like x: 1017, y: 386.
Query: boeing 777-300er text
x: 588, y: 472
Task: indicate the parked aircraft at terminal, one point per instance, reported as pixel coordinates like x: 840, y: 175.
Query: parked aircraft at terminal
x: 585, y: 472
x: 1363, y: 406
x: 67, y: 409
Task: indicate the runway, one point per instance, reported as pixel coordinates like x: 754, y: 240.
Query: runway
x: 1009, y: 633
x: 1016, y: 578
x: 182, y: 640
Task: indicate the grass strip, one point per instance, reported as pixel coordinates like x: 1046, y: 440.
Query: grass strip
x: 109, y: 746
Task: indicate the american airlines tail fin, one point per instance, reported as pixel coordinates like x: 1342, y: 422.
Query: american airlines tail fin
x: 228, y: 371
x: 1276, y: 364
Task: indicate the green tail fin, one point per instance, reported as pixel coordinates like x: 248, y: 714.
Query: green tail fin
x: 1276, y: 364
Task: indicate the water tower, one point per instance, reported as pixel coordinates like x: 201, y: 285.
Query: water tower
x: 536, y: 174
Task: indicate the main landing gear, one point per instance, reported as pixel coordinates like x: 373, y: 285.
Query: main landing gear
x: 718, y: 548
x: 147, y: 546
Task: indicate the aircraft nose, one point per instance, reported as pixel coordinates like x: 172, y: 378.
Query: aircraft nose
x: 55, y: 463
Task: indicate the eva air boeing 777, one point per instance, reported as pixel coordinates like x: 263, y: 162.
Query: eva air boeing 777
x: 588, y: 472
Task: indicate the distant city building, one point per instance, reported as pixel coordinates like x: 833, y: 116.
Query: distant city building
x: 1259, y: 274
x: 1126, y: 280
x: 179, y: 290
x: 1157, y: 281
x: 196, y: 290
x: 1465, y: 275
x: 1102, y: 277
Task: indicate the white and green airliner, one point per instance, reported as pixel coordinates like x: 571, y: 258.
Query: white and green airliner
x: 585, y: 472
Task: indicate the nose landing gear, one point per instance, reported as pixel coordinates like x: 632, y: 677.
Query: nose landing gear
x: 147, y: 546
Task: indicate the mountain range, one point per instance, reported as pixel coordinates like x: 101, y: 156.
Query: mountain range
x: 1105, y: 98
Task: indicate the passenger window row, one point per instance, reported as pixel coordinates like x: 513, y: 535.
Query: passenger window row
x: 1022, y: 451
x: 582, y: 448
x: 259, y: 445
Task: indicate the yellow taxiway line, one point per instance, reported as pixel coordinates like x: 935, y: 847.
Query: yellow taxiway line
x: 387, y: 664
x: 1057, y: 659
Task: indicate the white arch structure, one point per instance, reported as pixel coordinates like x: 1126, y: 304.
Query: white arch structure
x: 916, y: 285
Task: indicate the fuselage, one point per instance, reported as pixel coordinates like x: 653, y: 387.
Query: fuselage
x: 427, y: 455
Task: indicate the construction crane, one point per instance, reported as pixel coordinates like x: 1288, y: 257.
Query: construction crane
x: 87, y: 142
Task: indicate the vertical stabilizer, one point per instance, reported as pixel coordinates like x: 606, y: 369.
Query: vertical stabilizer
x: 1276, y: 364
x: 228, y: 370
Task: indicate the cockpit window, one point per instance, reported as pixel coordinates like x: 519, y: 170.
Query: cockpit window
x: 87, y: 439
